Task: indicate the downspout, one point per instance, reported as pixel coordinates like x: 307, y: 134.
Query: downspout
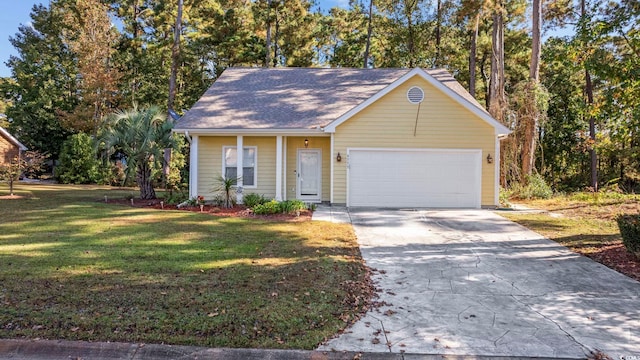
x: 186, y: 135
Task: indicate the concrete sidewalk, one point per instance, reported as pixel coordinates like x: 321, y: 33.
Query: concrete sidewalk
x: 78, y: 350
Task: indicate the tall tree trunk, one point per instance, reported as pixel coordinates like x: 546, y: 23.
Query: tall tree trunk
x: 592, y: 124
x: 472, y: 57
x: 365, y: 63
x: 536, y: 24
x: 267, y: 58
x: 175, y: 57
x: 436, y: 61
x: 592, y: 131
x: 497, y: 100
x: 527, y: 153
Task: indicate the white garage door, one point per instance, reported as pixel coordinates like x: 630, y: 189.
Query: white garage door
x: 414, y: 178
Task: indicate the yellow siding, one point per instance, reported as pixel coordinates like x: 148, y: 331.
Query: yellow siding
x: 390, y: 122
x: 210, y: 163
x: 295, y: 143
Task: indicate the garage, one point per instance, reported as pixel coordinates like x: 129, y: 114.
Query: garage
x: 396, y: 178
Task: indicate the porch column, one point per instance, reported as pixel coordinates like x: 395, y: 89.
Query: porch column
x: 239, y: 167
x: 279, y: 167
x: 193, y: 167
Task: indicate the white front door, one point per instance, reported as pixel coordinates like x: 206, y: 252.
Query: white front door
x: 309, y: 174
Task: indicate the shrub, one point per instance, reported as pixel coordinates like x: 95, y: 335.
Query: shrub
x: 78, y: 163
x: 292, y: 206
x: 253, y: 199
x: 271, y: 207
x: 176, y: 197
x: 629, y: 226
x: 534, y: 188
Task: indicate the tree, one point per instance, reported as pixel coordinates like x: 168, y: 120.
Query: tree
x: 29, y: 162
x: 91, y: 37
x: 141, y: 135
x: 78, y: 162
x: 43, y: 82
x: 535, y: 97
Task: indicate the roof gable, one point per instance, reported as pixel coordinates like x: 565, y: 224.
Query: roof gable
x: 12, y: 139
x: 441, y: 80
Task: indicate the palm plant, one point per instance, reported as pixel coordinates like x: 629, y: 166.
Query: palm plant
x: 141, y: 135
x: 226, y: 187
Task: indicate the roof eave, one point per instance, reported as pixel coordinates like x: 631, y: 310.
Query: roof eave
x: 13, y: 139
x: 248, y: 132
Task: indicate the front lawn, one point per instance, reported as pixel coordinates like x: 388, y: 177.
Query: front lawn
x: 75, y: 268
x: 585, y: 223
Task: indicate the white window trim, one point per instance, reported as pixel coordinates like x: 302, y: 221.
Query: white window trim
x: 255, y: 164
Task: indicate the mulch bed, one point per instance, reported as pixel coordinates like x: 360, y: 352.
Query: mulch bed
x: 236, y: 211
x: 616, y: 257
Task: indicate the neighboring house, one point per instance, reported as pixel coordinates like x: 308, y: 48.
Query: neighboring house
x: 360, y: 137
x: 10, y: 147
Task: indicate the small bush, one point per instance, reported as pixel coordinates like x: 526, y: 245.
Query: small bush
x: 78, y: 163
x: 292, y: 206
x: 271, y: 207
x: 629, y: 226
x: 253, y: 199
x: 503, y: 198
x: 535, y: 188
x: 176, y: 197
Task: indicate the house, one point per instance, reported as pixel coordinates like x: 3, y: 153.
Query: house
x: 10, y: 147
x: 359, y: 137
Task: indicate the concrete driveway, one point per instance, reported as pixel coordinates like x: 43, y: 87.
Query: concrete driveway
x: 473, y: 283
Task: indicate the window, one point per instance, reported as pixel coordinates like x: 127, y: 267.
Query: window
x: 248, y: 164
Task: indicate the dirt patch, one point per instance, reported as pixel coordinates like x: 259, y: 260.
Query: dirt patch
x: 11, y: 197
x: 602, y: 212
x: 236, y: 211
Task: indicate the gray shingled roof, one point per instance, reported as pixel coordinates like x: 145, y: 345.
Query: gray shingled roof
x: 292, y: 98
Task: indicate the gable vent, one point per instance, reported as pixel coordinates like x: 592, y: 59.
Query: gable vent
x: 415, y: 95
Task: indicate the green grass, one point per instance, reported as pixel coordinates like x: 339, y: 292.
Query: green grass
x: 73, y: 267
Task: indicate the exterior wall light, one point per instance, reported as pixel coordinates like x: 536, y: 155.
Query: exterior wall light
x: 489, y: 159
x: 338, y: 158
x: 306, y: 143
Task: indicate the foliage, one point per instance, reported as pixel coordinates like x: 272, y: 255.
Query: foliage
x: 253, y: 199
x: 292, y: 206
x: 176, y: 197
x: 31, y: 162
x: 629, y: 226
x: 122, y: 265
x: 534, y: 188
x: 44, y: 81
x: 141, y: 135
x: 503, y: 198
x: 91, y: 36
x: 225, y: 187
x: 78, y: 163
x: 275, y: 207
x: 270, y: 207
x: 178, y: 170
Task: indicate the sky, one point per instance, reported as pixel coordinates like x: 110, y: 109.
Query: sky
x: 12, y: 14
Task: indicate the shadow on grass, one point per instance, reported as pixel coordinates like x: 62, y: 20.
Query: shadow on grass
x: 77, y: 269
